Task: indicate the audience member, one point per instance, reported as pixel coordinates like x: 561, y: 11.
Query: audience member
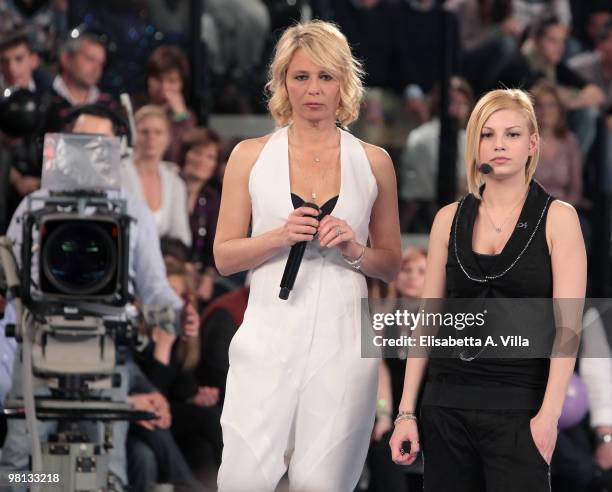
x: 219, y: 322
x: 155, y: 181
x: 169, y: 363
x: 167, y: 75
x: 419, y: 165
x: 544, y: 53
x: 525, y: 11
x: 236, y: 35
x: 596, y: 66
x: 491, y: 37
x: 597, y: 13
x: 386, y: 475
x: 560, y: 167
x: 18, y: 62
x: 81, y: 59
x: 201, y: 151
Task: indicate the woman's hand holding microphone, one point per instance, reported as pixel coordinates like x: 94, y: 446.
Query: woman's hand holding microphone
x: 303, y: 225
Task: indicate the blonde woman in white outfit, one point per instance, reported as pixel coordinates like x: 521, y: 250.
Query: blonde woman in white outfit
x: 155, y: 181
x: 299, y: 396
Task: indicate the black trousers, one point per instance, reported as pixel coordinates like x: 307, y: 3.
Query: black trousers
x: 480, y: 451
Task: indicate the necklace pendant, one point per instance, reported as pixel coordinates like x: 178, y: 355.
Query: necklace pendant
x: 317, y: 159
x: 498, y: 230
x: 313, y: 195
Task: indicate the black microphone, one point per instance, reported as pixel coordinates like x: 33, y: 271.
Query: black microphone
x: 293, y: 262
x: 485, y: 168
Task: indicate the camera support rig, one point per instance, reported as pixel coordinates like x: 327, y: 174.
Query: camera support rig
x: 70, y: 318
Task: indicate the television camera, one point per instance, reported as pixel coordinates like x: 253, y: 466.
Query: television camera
x: 69, y: 282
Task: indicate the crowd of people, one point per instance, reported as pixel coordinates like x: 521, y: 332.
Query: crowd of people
x: 558, y: 50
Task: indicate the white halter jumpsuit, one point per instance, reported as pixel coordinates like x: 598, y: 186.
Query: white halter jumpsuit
x: 299, y: 395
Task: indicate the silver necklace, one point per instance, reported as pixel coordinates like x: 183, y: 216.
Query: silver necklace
x: 310, y: 176
x: 488, y: 278
x: 498, y: 229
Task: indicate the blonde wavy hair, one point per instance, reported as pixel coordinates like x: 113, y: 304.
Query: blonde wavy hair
x: 326, y: 46
x: 488, y: 104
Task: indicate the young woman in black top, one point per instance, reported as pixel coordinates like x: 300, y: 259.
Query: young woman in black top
x: 491, y: 424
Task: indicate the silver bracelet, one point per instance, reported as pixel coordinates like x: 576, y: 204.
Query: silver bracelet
x: 404, y: 416
x: 356, y: 263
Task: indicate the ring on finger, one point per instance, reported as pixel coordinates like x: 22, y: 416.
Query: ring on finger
x: 338, y: 231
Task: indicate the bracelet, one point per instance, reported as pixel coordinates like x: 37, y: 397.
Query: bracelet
x: 356, y: 263
x: 404, y: 416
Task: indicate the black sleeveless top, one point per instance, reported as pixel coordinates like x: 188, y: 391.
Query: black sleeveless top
x: 522, y: 269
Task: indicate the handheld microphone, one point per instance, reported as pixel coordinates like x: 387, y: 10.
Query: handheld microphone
x: 293, y: 262
x: 485, y: 168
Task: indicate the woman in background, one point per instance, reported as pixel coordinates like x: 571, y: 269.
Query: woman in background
x: 154, y: 180
x: 407, y: 287
x: 560, y: 168
x: 201, y: 149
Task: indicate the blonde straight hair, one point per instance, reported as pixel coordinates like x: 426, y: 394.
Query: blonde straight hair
x: 326, y: 46
x: 488, y: 104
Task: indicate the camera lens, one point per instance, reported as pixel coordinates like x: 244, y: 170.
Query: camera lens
x: 79, y: 258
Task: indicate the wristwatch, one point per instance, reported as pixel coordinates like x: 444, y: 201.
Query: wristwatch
x: 603, y: 437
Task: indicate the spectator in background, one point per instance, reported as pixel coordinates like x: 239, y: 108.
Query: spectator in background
x: 219, y: 322
x: 82, y: 59
x: 524, y: 11
x: 201, y: 150
x: 167, y: 75
x: 409, y: 283
x: 596, y: 66
x: 560, y: 166
x: 18, y: 61
x: 544, y: 53
x: 479, y: 19
x: 598, y: 14
x: 153, y: 180
x: 236, y: 36
x: 491, y: 38
x: 169, y: 363
x: 419, y: 165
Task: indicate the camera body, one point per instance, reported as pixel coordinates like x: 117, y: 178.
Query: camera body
x: 74, y: 282
x: 82, y: 241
